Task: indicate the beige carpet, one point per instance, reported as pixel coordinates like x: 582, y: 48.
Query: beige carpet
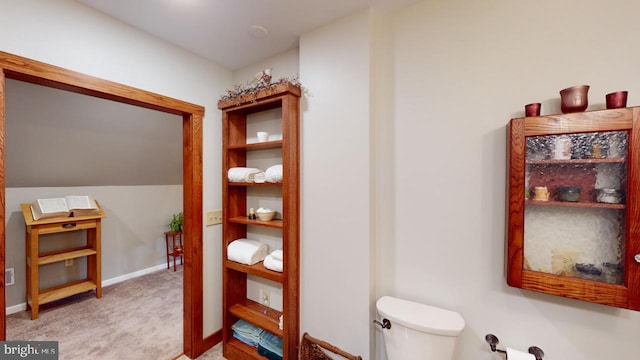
x: 136, y: 319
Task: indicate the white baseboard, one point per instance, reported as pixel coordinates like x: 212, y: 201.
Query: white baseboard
x: 132, y: 275
x: 22, y: 307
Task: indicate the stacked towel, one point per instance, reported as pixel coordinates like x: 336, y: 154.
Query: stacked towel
x: 259, y: 177
x: 277, y: 254
x: 247, y: 333
x: 271, y: 261
x: 242, y: 174
x: 270, y: 346
x: 274, y: 174
x: 246, y: 251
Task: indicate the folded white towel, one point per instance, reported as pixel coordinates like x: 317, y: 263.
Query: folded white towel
x: 246, y: 251
x: 259, y: 177
x: 272, y: 263
x: 277, y: 254
x: 242, y: 174
x: 274, y: 174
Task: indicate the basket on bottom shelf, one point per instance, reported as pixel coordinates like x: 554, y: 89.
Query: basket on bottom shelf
x: 312, y: 349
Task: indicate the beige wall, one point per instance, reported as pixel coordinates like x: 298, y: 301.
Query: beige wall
x: 457, y: 71
x: 406, y: 165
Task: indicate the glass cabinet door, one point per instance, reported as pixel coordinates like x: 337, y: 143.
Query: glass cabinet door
x: 575, y: 206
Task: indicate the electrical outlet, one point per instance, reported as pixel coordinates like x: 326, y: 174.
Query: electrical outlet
x: 214, y: 217
x: 265, y: 297
x: 9, y: 277
x: 68, y: 262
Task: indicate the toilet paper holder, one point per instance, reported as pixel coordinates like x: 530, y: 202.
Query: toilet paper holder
x: 493, y: 341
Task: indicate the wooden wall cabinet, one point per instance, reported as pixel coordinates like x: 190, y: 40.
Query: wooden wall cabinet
x: 236, y: 114
x: 565, y: 235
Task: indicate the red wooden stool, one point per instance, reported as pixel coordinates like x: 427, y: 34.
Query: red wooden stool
x: 177, y: 249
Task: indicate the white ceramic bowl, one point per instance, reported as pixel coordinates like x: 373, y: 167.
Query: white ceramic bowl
x: 265, y: 215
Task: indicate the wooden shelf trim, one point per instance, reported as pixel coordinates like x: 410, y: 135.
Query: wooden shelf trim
x: 65, y: 290
x: 264, y: 184
x: 256, y: 269
x: 275, y: 144
x: 575, y: 204
x: 248, y: 100
x: 48, y: 258
x: 588, y: 121
x: 276, y: 223
x: 577, y: 161
x: 580, y: 289
x: 236, y: 349
x: 259, y: 315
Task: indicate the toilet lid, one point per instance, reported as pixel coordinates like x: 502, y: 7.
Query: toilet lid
x: 420, y: 317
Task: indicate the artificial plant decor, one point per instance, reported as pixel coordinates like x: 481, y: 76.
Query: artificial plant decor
x: 177, y: 222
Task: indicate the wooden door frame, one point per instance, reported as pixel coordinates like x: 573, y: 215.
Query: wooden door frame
x: 23, y: 69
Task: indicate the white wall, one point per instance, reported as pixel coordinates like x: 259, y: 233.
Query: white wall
x: 458, y: 71
x: 335, y: 182
x: 68, y: 34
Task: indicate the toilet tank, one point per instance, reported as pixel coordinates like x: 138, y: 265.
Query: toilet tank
x: 419, y: 331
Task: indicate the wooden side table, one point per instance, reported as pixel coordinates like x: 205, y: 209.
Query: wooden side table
x: 34, y: 229
x: 176, y: 250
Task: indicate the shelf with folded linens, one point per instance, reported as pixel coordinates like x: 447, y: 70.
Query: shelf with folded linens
x: 262, y: 174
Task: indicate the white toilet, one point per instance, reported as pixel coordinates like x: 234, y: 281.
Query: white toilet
x: 418, y: 331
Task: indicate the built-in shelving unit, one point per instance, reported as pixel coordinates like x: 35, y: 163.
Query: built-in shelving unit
x: 237, y: 149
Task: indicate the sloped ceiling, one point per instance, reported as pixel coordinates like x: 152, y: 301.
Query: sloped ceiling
x: 56, y: 138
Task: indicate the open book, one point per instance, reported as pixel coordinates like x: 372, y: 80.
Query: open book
x: 64, y: 207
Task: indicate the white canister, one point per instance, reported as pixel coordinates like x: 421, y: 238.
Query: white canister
x: 562, y: 148
x: 616, y: 149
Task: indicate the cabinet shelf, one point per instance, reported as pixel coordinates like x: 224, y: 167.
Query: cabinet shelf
x: 275, y: 144
x: 62, y: 255
x: 575, y: 204
x: 66, y: 290
x: 261, y: 316
x: 577, y: 161
x: 276, y: 223
x: 256, y: 269
x: 264, y: 184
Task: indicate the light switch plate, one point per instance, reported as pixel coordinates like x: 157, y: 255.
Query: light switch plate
x: 214, y: 217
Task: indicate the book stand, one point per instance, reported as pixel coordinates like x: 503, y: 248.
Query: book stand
x: 33, y: 230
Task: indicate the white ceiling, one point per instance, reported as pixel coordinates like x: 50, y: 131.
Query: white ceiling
x: 219, y: 29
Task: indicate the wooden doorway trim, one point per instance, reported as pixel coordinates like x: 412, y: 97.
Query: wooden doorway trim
x: 19, y: 68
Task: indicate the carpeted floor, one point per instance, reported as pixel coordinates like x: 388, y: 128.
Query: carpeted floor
x: 137, y: 319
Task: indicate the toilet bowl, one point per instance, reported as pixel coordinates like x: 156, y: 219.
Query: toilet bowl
x: 418, y: 331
